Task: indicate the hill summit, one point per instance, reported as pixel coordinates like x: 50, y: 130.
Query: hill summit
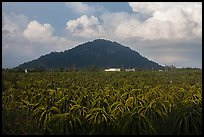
x: 99, y: 53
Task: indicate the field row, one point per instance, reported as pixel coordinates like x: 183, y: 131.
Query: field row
x: 102, y: 103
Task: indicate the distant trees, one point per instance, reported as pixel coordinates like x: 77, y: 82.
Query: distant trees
x: 169, y: 67
x: 93, y: 68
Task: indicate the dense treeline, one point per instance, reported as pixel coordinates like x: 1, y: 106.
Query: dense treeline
x: 138, y: 103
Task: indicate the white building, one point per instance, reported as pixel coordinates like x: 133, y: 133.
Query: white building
x: 113, y: 69
x: 130, y: 70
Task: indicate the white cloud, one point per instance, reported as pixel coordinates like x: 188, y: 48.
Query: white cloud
x: 148, y: 8
x: 85, y: 26
x: 9, y: 27
x: 172, y: 24
x: 80, y: 8
x: 168, y: 20
x: 12, y: 25
x: 162, y: 21
x: 43, y: 34
x: 15, y: 47
x: 23, y: 41
x: 119, y: 24
x: 38, y: 32
x: 155, y: 30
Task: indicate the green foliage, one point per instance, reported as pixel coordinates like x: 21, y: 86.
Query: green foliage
x: 72, y: 103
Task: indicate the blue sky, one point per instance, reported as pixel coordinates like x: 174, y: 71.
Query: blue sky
x: 56, y: 12
x: 167, y: 33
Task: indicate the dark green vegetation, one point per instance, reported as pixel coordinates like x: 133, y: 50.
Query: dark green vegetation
x: 99, y: 53
x: 102, y: 103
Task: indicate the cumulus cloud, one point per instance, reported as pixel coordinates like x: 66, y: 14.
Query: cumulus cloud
x: 119, y: 24
x: 168, y: 20
x: 166, y: 33
x: 162, y: 32
x: 148, y: 8
x: 24, y: 40
x: 85, y: 26
x: 43, y: 34
x: 15, y: 47
x: 149, y: 21
x: 12, y: 25
x: 152, y: 21
x: 80, y: 7
x: 38, y: 32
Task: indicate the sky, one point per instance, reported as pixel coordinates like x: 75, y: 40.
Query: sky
x: 169, y: 33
